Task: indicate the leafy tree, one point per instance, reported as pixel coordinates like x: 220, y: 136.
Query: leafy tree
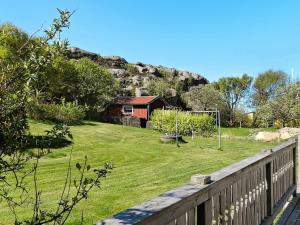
x: 266, y: 84
x: 13, y: 124
x: 170, y: 90
x: 160, y: 88
x: 233, y: 90
x: 58, y: 80
x: 284, y: 106
x: 96, y: 86
x: 203, y: 98
x: 23, y: 59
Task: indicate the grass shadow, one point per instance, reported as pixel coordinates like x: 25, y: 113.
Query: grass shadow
x: 74, y: 123
x: 80, y: 123
x: 46, y: 142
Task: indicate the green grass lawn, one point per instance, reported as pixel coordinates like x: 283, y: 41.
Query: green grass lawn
x: 144, y: 167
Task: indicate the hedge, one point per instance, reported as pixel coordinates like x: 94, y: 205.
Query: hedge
x: 165, y: 120
x: 67, y: 113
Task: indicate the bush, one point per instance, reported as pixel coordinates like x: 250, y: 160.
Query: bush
x: 165, y: 120
x: 67, y: 113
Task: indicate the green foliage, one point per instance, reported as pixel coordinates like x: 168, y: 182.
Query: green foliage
x: 284, y: 107
x: 13, y: 124
x: 166, y: 74
x: 59, y: 131
x: 96, y: 87
x: 58, y: 80
x: 203, y: 97
x: 233, y: 91
x: 165, y: 120
x: 170, y: 90
x: 22, y: 59
x: 266, y: 84
x: 159, y: 87
x: 66, y: 112
x: 131, y: 68
x: 242, y: 119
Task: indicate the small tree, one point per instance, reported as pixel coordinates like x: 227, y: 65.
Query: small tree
x: 203, y: 98
x: 266, y: 84
x: 283, y: 107
x: 96, y: 86
x: 233, y: 90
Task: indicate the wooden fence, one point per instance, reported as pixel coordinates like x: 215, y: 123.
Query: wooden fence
x: 250, y: 192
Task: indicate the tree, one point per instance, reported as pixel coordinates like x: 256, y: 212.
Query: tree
x: 23, y: 59
x: 58, y: 80
x: 96, y: 87
x: 203, y: 97
x: 13, y: 77
x: 284, y: 106
x: 266, y: 85
x: 233, y: 90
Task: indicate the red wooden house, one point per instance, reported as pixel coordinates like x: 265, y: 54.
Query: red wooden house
x: 135, y: 107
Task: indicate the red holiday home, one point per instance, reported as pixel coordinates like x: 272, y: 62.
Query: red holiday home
x: 135, y: 107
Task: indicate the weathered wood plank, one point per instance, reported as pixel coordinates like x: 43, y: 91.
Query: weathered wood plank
x: 181, y: 220
x: 208, y: 206
x: 284, y: 217
x: 269, y: 220
x: 191, y: 217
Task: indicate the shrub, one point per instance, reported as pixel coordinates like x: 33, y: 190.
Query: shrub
x: 165, y: 120
x: 67, y: 113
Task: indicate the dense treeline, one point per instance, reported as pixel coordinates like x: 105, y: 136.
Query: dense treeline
x: 270, y: 95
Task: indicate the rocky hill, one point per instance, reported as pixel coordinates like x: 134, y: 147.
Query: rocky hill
x: 135, y: 78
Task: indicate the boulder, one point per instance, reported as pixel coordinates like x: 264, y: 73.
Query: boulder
x: 140, y: 64
x: 266, y: 136
x: 146, y: 82
x: 152, y: 70
x: 171, y: 92
x: 112, y: 61
x: 136, y: 80
x: 141, y: 69
x: 142, y: 73
x: 77, y: 53
x: 118, y: 72
x: 171, y: 71
x: 283, y: 134
x: 288, y: 132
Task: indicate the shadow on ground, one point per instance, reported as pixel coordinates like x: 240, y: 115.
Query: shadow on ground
x: 46, y: 142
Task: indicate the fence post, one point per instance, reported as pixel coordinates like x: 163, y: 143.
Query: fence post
x: 269, y: 178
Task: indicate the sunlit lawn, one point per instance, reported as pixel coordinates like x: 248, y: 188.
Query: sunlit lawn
x: 144, y: 167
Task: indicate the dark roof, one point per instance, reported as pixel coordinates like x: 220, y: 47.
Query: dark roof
x: 143, y: 100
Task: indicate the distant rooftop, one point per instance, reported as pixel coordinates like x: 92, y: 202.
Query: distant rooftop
x: 143, y: 100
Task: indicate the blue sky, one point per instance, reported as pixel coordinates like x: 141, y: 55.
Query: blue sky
x: 213, y: 38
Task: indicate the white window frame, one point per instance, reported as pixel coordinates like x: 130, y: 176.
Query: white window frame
x: 127, y: 113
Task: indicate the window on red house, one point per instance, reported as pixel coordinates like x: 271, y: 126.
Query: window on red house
x: 127, y: 109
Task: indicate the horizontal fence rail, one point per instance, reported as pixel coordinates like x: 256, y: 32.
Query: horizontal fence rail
x: 250, y: 192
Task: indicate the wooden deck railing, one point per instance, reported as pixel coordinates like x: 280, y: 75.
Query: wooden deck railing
x: 250, y: 192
